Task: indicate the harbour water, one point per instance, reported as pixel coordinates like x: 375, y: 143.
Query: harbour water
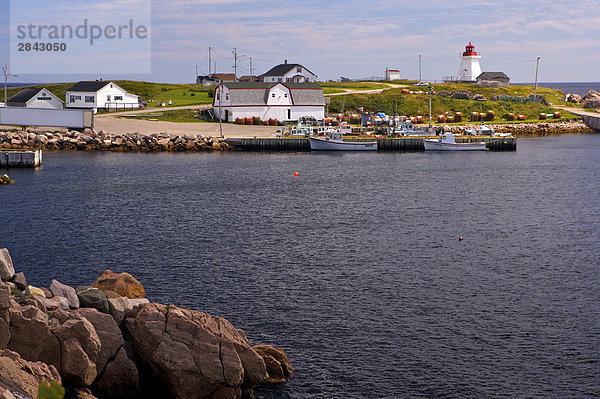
x: 580, y: 88
x: 354, y: 267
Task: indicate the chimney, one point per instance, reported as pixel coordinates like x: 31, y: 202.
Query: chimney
x: 285, y: 61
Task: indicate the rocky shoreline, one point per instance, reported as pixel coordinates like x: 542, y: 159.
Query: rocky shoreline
x: 90, y: 140
x: 107, y: 340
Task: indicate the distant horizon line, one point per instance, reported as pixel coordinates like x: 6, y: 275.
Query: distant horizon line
x: 150, y: 81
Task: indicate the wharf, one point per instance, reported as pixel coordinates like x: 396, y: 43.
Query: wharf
x: 400, y: 144
x: 20, y: 158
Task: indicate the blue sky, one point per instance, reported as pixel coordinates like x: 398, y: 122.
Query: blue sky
x: 359, y: 39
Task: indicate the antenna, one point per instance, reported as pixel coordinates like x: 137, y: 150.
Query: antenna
x: 537, y: 63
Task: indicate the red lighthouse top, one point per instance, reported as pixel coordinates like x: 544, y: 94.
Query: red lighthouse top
x: 469, y: 50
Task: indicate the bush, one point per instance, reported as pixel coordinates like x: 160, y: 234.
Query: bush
x: 461, y: 95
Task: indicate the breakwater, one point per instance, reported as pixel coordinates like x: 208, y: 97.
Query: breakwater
x: 90, y: 140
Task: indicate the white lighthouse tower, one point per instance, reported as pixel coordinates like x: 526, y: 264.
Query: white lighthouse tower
x: 469, y: 65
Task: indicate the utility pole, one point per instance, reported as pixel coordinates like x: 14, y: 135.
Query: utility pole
x: 220, y: 109
x: 5, y: 69
x: 235, y: 64
x: 430, y: 108
x: 537, y: 63
x: 209, y: 59
x: 420, y: 80
x: 251, y: 71
x: 196, y: 73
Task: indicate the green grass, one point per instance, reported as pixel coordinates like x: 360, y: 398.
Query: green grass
x: 153, y: 93
x: 417, y: 104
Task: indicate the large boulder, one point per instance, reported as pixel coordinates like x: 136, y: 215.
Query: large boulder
x: 7, y: 269
x: 30, y: 335
x: 19, y: 280
x: 59, y: 289
x: 118, y: 307
x: 108, y: 333
x: 122, y: 283
x: 4, y: 334
x: 80, y: 347
x: 120, y: 378
x: 90, y: 297
x: 22, y: 377
x: 192, y: 354
x: 276, y: 361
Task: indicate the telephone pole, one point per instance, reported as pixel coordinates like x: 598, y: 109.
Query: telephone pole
x: 420, y: 80
x: 209, y: 59
x: 251, y: 71
x: 5, y: 69
x: 235, y: 57
x: 537, y: 63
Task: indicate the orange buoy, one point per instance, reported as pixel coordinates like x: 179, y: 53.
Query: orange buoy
x: 296, y: 174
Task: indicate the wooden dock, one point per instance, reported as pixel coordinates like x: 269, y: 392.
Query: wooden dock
x: 400, y: 144
x: 20, y: 158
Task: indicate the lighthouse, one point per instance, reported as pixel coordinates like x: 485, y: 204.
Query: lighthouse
x: 469, y: 65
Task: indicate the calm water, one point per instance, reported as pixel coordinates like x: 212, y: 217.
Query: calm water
x: 580, y: 88
x: 354, y: 267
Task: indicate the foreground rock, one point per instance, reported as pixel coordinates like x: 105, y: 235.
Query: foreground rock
x: 133, y: 349
x: 194, y: 355
x: 20, y: 377
x: 123, y: 284
x: 276, y: 361
x: 7, y: 269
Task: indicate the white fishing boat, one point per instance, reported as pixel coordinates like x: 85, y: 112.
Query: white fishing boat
x: 448, y: 143
x: 334, y: 142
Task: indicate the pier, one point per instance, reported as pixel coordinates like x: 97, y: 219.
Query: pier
x: 400, y: 144
x: 20, y: 158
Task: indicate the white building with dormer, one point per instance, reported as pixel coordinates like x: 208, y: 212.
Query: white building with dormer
x: 100, y: 95
x: 288, y: 101
x: 285, y: 72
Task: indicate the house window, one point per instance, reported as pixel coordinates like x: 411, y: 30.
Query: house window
x: 299, y: 69
x: 118, y: 98
x: 289, y: 80
x: 226, y: 96
x: 273, y: 95
x: 279, y: 80
x: 90, y: 99
x: 108, y: 98
x: 44, y: 98
x: 72, y: 99
x: 285, y: 95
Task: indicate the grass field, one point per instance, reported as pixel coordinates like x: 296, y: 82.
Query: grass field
x: 417, y: 104
x: 389, y: 99
x: 153, y: 93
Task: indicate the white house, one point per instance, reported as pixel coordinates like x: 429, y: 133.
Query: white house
x: 289, y: 73
x: 100, y: 94
x: 35, y: 98
x: 282, y: 101
x: 392, y: 74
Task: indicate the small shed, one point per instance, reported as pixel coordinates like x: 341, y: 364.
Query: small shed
x: 496, y: 78
x: 35, y: 98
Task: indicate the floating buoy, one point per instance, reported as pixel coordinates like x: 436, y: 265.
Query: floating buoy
x: 460, y: 238
x: 296, y: 174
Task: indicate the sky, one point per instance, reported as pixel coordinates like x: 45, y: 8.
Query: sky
x: 334, y: 39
